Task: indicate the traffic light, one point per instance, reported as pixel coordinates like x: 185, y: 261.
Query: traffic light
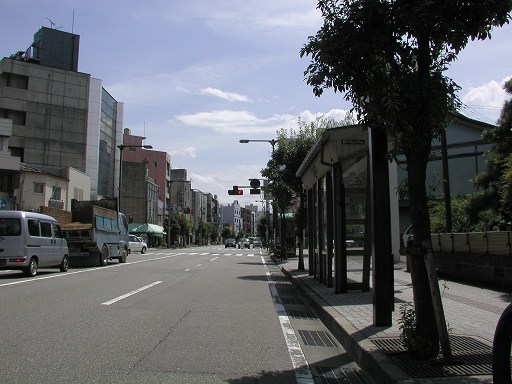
x: 235, y: 191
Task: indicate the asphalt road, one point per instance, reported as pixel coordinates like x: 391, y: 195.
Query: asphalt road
x: 196, y: 315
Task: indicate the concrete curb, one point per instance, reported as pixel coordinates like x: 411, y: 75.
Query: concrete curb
x: 371, y: 359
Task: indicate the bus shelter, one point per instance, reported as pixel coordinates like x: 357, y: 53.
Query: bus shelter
x: 346, y: 179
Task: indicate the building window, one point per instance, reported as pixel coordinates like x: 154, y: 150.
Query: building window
x: 17, y: 81
x: 17, y: 117
x: 39, y: 188
x: 56, y: 193
x: 154, y: 164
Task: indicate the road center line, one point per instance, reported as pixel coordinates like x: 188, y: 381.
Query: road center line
x: 130, y: 293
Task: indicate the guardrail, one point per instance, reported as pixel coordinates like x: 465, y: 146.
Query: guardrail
x: 501, y: 347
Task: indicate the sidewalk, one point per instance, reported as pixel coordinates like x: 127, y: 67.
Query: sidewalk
x: 471, y: 314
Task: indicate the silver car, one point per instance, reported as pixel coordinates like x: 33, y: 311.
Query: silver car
x: 137, y: 244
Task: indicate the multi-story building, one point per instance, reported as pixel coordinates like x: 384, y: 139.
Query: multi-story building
x: 199, y: 217
x: 231, y: 215
x: 180, y: 191
x: 60, y: 117
x: 157, y: 164
x: 247, y: 221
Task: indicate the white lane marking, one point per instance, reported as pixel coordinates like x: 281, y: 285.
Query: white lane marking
x: 299, y: 361
x: 188, y: 269
x: 130, y: 293
x: 215, y: 258
x: 205, y: 253
x: 64, y: 274
x: 198, y: 265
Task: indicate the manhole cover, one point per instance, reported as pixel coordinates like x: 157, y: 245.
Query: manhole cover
x: 471, y: 357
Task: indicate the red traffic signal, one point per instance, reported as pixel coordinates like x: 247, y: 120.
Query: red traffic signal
x: 235, y: 191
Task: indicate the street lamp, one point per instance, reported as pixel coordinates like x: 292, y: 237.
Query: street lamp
x: 274, y: 213
x: 121, y: 148
x: 272, y: 142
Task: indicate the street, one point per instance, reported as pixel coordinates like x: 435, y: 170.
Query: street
x: 195, y: 315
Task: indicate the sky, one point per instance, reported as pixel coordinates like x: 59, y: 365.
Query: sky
x: 196, y: 76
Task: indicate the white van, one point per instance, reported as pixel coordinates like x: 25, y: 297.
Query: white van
x: 29, y: 241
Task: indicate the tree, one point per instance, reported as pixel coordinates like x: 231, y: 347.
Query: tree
x: 388, y: 59
x: 227, y: 232
x: 261, y: 228
x: 495, y: 183
x: 285, y: 186
x: 185, y: 225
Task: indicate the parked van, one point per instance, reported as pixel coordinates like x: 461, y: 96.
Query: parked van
x: 29, y: 241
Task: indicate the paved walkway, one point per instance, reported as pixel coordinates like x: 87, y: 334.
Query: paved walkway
x: 471, y: 314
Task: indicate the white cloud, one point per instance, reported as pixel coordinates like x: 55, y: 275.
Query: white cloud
x: 336, y: 114
x: 486, y: 101
x: 228, y: 122
x: 189, y: 152
x: 490, y: 94
x: 230, y: 96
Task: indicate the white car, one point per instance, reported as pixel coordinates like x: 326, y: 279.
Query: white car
x: 137, y: 244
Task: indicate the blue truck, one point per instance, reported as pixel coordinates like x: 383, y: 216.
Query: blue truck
x: 97, y: 229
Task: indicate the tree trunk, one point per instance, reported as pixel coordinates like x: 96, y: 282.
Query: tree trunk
x: 425, y: 315
x: 419, y: 147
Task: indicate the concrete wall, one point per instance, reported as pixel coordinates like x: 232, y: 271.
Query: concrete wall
x: 481, y: 257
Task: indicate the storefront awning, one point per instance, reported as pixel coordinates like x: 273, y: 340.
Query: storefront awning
x: 150, y: 229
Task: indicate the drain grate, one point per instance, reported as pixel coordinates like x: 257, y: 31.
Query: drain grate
x: 330, y: 375
x: 301, y: 314
x: 471, y: 356
x: 317, y: 338
x: 290, y: 301
x: 286, y: 290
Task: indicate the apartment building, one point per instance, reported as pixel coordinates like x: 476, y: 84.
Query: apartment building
x: 60, y: 117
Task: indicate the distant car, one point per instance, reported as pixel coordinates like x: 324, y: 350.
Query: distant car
x: 230, y: 243
x: 137, y: 244
x: 244, y: 243
x: 408, y: 235
x: 256, y: 242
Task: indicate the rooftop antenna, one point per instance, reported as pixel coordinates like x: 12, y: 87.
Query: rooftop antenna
x: 73, y: 23
x: 52, y: 24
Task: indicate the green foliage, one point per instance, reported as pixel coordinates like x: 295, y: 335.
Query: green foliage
x: 416, y: 345
x: 261, y: 227
x: 486, y: 219
x: 227, y: 232
x: 185, y: 224
x: 387, y: 58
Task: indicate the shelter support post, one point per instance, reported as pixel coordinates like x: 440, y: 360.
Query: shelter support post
x: 329, y: 226
x: 340, y: 250
x: 383, y: 293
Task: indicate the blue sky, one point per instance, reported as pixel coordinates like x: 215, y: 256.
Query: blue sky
x: 197, y: 76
